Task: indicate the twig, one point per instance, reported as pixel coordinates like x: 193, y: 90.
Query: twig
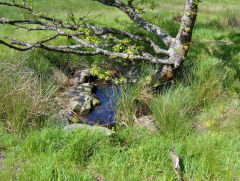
x: 175, y: 161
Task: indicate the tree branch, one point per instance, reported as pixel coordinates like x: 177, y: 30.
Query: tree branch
x: 80, y: 32
x: 152, y: 28
x: 188, y: 21
x: 70, y: 49
x: 13, y: 47
x: 97, y: 30
x: 29, y: 10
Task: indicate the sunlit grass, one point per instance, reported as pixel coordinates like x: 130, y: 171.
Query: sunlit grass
x: 132, y: 154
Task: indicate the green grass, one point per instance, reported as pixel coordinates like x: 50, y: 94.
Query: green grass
x: 198, y: 115
x: 132, y: 154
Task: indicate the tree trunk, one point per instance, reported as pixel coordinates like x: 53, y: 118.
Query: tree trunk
x: 180, y: 45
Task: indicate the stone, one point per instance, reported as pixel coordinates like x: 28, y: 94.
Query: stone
x: 72, y: 127
x: 2, y: 156
x: 71, y: 93
x: 95, y: 102
x: 82, y: 76
x: 83, y: 104
x: 81, y: 98
x: 62, y: 118
x: 146, y: 121
x: 85, y: 87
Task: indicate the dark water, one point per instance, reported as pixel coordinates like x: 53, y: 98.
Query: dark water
x: 104, y: 114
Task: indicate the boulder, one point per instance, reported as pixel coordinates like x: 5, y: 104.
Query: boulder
x: 81, y: 98
x: 85, y: 88
x: 72, y: 127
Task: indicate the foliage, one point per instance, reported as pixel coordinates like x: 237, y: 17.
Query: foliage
x: 100, y: 73
x: 104, y: 73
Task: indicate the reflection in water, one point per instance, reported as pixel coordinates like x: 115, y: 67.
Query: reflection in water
x: 104, y: 114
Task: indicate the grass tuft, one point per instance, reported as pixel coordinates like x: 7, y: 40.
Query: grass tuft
x: 22, y: 100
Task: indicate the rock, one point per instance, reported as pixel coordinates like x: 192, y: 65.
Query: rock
x: 82, y: 120
x: 81, y: 99
x: 71, y: 93
x: 62, y: 118
x: 72, y: 127
x: 146, y: 121
x: 85, y: 87
x: 82, y: 76
x: 83, y: 104
x: 81, y: 89
x: 2, y: 156
x: 65, y: 114
x: 95, y: 102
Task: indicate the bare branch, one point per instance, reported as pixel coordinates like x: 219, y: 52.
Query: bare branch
x: 146, y: 56
x: 13, y: 47
x: 101, y: 31
x: 40, y: 28
x: 70, y: 49
x: 97, y: 31
x: 152, y: 28
x: 29, y: 10
x: 77, y: 31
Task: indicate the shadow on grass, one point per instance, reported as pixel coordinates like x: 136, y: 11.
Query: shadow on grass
x: 43, y: 62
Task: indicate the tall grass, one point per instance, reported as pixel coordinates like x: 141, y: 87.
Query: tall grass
x: 175, y: 108
x: 133, y: 101
x: 22, y: 100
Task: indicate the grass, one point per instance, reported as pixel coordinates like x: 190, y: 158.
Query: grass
x: 132, y: 154
x: 23, y: 102
x: 131, y: 100
x: 198, y: 115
